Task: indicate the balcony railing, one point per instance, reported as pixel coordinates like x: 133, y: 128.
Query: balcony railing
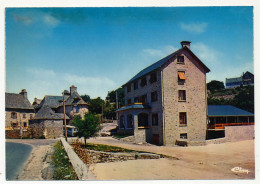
x: 222, y: 125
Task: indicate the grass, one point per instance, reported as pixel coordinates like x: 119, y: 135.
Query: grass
x: 106, y: 148
x: 63, y: 169
x: 120, y: 136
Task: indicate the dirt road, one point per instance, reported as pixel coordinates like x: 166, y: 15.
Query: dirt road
x: 213, y: 161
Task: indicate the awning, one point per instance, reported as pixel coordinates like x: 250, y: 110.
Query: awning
x: 181, y: 75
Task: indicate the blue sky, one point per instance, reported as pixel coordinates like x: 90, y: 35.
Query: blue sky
x: 99, y: 49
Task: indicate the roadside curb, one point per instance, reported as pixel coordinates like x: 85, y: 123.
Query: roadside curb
x: 80, y: 168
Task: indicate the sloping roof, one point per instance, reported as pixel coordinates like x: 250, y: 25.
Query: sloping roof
x: 161, y: 62
x: 226, y: 110
x: 46, y: 112
x: 17, y: 101
x: 75, y: 99
x: 235, y: 79
x: 134, y: 106
x: 51, y: 101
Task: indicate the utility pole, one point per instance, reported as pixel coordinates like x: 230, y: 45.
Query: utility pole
x: 65, y: 126
x: 116, y: 106
x: 102, y: 113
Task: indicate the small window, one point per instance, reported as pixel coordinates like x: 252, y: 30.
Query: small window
x: 136, y: 99
x: 143, y: 82
x: 31, y: 116
x: 153, y: 77
x: 181, y: 78
x: 155, y: 119
x: 76, y: 109
x: 154, y: 96
x: 180, y: 59
x: 13, y: 115
x: 143, y: 99
x: 129, y: 101
x: 183, y: 119
x: 24, y: 115
x: 182, y: 95
x: 14, y: 125
x: 135, y: 85
x: 183, y: 136
x: 24, y: 124
x: 128, y: 87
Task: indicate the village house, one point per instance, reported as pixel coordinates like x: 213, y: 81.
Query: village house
x: 74, y: 104
x: 246, y: 79
x: 18, y: 110
x: 166, y: 102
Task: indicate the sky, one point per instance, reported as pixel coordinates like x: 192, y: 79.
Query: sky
x: 100, y: 49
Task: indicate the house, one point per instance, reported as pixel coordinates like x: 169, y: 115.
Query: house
x: 18, y: 110
x: 74, y: 104
x: 47, y: 123
x: 221, y: 117
x: 166, y: 102
x: 246, y: 79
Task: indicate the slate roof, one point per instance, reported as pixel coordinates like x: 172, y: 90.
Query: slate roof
x: 46, y: 112
x: 17, y: 101
x: 134, y: 106
x: 51, y: 101
x: 75, y: 99
x: 235, y: 79
x: 161, y: 62
x: 226, y: 110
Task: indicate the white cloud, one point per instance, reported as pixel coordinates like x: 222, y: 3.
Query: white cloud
x: 206, y: 53
x: 48, y: 82
x: 196, y: 28
x: 159, y: 52
x: 50, y: 20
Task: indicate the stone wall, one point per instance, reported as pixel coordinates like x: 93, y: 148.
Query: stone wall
x: 22, y: 117
x: 101, y: 157
x: 49, y: 129
x: 195, y: 104
x: 238, y: 133
x: 15, y: 134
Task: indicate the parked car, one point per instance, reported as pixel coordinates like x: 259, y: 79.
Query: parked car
x: 72, y: 130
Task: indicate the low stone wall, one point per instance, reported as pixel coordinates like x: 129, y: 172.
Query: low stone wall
x: 15, y: 134
x: 91, y: 156
x: 184, y: 142
x: 80, y: 168
x: 216, y: 141
x: 238, y: 133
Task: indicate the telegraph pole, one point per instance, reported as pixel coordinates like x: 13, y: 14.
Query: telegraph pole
x: 116, y: 106
x: 65, y: 126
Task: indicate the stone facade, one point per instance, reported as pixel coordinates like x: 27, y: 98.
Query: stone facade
x: 238, y: 133
x: 176, y: 101
x: 48, y: 129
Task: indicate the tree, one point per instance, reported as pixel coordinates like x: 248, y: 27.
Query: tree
x: 88, y: 127
x: 120, y: 96
x: 86, y: 98
x: 95, y: 105
x: 215, y: 85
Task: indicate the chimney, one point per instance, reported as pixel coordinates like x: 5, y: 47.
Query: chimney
x: 185, y: 44
x: 24, y: 93
x: 73, y: 89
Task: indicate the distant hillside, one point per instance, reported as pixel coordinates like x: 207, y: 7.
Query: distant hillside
x: 241, y: 97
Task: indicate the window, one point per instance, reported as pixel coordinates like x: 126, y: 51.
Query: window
x: 182, y: 95
x: 31, y: 116
x: 154, y: 96
x: 183, y: 119
x: 153, y: 77
x: 76, y: 109
x: 155, y: 119
x: 143, y: 81
x: 122, y: 122
x: 24, y: 115
x: 183, y: 136
x: 129, y: 101
x: 135, y: 85
x: 129, y: 121
x: 13, y: 115
x: 181, y: 78
x: 128, y: 87
x: 143, y: 99
x: 180, y: 59
x: 14, y: 125
x: 136, y: 99
x: 24, y: 124
x: 142, y: 120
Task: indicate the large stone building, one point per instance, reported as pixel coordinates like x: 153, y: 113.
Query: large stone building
x: 245, y: 80
x: 166, y: 102
x: 18, y: 110
x: 74, y: 104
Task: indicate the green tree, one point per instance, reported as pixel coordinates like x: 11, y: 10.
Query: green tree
x: 88, y: 126
x: 120, y: 96
x: 215, y: 85
x: 86, y: 98
x: 95, y: 105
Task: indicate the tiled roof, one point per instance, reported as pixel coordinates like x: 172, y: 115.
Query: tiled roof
x: 134, y: 106
x: 226, y: 110
x: 46, y: 112
x: 161, y: 62
x: 17, y: 101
